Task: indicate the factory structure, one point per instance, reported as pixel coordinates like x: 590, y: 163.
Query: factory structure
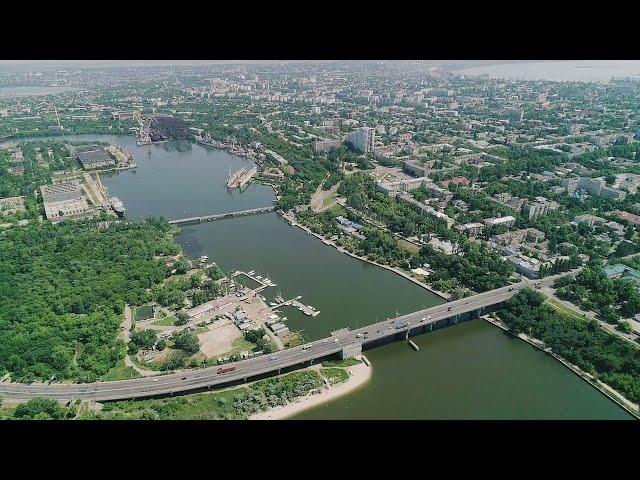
x: 63, y: 200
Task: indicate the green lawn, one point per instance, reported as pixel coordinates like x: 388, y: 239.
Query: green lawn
x: 166, y: 321
x: 335, y: 375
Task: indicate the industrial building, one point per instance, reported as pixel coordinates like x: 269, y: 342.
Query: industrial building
x: 63, y: 199
x: 90, y: 159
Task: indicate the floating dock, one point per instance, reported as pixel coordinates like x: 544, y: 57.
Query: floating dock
x: 306, y: 309
x: 240, y: 178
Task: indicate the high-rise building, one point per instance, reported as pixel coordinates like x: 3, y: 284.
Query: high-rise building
x: 363, y: 139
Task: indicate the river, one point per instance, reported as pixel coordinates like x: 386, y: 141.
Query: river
x: 472, y: 370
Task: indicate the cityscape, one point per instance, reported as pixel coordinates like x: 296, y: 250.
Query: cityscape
x: 319, y: 240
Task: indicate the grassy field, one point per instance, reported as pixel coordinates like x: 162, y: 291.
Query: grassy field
x: 337, y: 210
x: 408, y: 245
x: 329, y: 199
x: 292, y: 340
x: 166, y: 321
x: 561, y: 308
x: 6, y: 411
x: 120, y: 372
x: 239, y: 345
x: 335, y: 375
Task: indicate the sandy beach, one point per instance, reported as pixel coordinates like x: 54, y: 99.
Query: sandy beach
x: 359, y: 375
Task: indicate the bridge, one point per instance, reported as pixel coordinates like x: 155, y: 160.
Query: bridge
x: 219, y: 216
x: 345, y: 343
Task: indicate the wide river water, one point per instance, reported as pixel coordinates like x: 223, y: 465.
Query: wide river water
x: 472, y: 370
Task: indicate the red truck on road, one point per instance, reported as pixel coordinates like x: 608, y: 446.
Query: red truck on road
x: 226, y: 370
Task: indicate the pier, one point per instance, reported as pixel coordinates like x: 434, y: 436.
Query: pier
x: 220, y: 216
x: 264, y: 282
x: 306, y: 309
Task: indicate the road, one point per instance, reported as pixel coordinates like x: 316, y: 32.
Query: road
x: 248, y: 368
x: 630, y: 337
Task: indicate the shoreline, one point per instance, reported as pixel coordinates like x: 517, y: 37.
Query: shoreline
x: 603, y: 388
x: 440, y: 294
x: 360, y: 374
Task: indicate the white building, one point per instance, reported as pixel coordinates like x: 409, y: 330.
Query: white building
x: 363, y: 139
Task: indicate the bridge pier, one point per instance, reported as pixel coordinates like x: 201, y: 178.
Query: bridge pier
x: 350, y: 351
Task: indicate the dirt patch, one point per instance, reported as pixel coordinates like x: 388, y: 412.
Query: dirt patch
x: 218, y: 340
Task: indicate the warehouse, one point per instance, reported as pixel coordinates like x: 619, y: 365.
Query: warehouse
x: 63, y: 200
x: 95, y: 159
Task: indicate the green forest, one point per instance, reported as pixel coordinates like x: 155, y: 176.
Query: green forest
x: 62, y: 293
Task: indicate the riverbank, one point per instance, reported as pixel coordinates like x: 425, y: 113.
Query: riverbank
x: 628, y: 405
x: 395, y: 270
x: 359, y: 375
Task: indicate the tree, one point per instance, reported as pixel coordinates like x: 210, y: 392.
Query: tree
x: 181, y: 317
x: 625, y: 326
x: 40, y: 409
x: 143, y: 339
x: 187, y: 342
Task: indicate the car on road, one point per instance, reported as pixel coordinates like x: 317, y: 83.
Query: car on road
x: 325, y: 340
x: 449, y: 309
x: 336, y: 340
x: 275, y: 357
x: 184, y: 378
x: 358, y: 335
x: 155, y: 379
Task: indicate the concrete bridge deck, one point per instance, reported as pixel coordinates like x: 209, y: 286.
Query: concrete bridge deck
x: 219, y: 216
x: 344, y: 341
